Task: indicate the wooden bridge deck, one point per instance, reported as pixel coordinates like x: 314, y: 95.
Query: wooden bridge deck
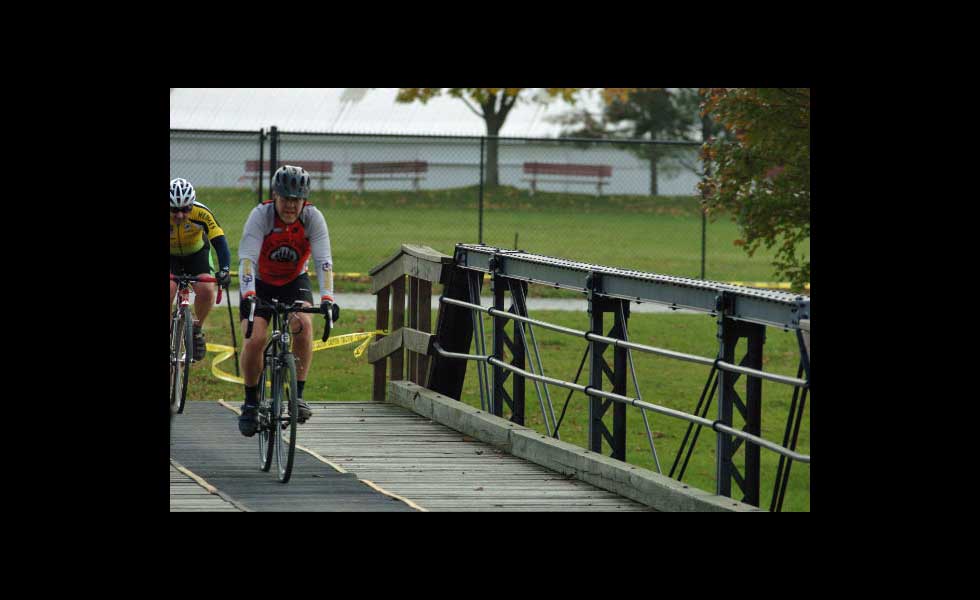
x: 393, y: 458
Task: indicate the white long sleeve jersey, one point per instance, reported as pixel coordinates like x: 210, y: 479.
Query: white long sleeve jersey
x: 281, y: 252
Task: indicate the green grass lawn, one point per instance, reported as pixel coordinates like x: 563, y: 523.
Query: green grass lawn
x: 656, y: 234
x: 336, y: 375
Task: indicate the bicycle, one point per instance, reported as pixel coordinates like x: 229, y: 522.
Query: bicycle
x: 278, y: 412
x: 182, y: 339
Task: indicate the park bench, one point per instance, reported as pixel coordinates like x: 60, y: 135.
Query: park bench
x: 596, y: 174
x: 388, y: 171
x: 319, y: 170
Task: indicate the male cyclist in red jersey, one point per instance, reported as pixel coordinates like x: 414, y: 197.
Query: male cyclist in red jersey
x: 193, y: 230
x: 280, y: 236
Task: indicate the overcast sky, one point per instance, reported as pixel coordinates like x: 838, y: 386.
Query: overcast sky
x: 353, y: 110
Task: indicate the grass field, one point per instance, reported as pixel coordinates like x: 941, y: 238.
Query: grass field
x: 336, y: 375
x: 656, y: 234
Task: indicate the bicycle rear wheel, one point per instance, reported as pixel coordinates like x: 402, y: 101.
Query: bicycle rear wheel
x: 267, y: 432
x: 285, y: 389
x: 188, y: 324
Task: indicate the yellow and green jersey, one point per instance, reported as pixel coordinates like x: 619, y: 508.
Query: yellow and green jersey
x: 191, y: 235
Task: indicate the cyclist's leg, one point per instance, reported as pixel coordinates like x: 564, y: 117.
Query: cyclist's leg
x: 199, y: 264
x: 302, y: 328
x: 204, y: 293
x: 175, y: 269
x: 302, y: 349
x: 252, y: 349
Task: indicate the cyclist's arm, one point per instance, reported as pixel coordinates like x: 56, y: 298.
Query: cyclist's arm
x: 248, y: 252
x: 322, y: 259
x: 224, y: 253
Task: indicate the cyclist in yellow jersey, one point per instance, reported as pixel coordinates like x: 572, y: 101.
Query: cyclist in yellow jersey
x: 193, y: 230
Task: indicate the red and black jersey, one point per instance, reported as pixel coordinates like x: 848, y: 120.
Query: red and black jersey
x: 282, y: 251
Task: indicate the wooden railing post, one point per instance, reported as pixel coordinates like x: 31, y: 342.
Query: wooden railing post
x: 380, y: 323
x: 397, y: 322
x: 413, y: 322
x: 423, y: 266
x: 424, y: 324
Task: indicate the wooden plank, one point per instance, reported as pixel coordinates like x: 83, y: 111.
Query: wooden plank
x: 187, y: 495
x: 413, y: 323
x: 424, y: 325
x: 384, y: 347
x: 441, y: 469
x: 397, y: 322
x: 426, y: 253
x: 391, y: 272
x: 379, y: 388
x: 405, y: 338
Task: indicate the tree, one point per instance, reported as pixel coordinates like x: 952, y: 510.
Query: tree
x: 492, y: 105
x: 644, y: 113
x: 760, y: 172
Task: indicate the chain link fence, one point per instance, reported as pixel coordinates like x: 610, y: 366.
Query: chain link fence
x: 629, y: 204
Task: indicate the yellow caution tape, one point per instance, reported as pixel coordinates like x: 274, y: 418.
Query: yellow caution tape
x: 226, y: 352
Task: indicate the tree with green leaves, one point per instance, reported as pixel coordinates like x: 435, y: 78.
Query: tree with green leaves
x: 645, y: 113
x: 493, y: 105
x: 760, y: 173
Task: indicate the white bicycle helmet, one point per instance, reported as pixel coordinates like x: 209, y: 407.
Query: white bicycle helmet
x: 181, y: 193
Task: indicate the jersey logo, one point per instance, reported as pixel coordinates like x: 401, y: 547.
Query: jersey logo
x: 284, y: 254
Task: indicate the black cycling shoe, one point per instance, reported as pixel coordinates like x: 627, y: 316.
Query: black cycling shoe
x: 248, y: 422
x: 200, y: 346
x: 304, y: 411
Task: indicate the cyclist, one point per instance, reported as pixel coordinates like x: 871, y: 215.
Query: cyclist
x: 193, y: 230
x: 280, y: 235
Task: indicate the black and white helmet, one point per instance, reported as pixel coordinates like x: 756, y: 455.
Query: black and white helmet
x: 181, y: 193
x: 291, y: 182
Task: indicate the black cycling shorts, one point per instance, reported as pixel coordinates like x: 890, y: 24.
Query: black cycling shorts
x: 193, y: 264
x: 297, y: 289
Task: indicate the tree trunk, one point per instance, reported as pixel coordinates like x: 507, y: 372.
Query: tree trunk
x: 654, y: 159
x: 491, y: 174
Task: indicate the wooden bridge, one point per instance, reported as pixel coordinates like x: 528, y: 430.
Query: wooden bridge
x: 410, y: 448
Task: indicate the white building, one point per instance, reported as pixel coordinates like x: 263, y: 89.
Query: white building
x: 219, y: 161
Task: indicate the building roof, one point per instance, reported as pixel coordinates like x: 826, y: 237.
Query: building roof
x: 355, y: 110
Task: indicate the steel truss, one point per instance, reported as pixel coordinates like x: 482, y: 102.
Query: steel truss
x: 741, y: 313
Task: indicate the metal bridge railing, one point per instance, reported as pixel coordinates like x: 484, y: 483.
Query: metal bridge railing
x: 644, y: 406
x: 741, y: 313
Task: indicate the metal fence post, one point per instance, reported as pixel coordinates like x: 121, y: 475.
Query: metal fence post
x: 273, y: 152
x: 480, y: 237
x: 261, y: 160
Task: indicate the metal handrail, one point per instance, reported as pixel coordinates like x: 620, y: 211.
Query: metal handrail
x: 591, y: 391
x: 593, y: 337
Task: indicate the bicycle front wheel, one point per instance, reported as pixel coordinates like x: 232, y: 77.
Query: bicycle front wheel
x: 177, y: 351
x: 285, y: 389
x: 267, y: 432
x: 188, y: 354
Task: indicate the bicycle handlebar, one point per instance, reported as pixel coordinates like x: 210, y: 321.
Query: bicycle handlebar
x: 284, y: 309
x: 195, y: 279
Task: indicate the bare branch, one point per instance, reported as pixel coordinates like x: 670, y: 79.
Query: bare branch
x: 470, y: 106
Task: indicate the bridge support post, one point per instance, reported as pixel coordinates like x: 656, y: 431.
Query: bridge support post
x: 454, y: 330
x: 730, y: 332
x: 598, y: 366
x: 515, y: 344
